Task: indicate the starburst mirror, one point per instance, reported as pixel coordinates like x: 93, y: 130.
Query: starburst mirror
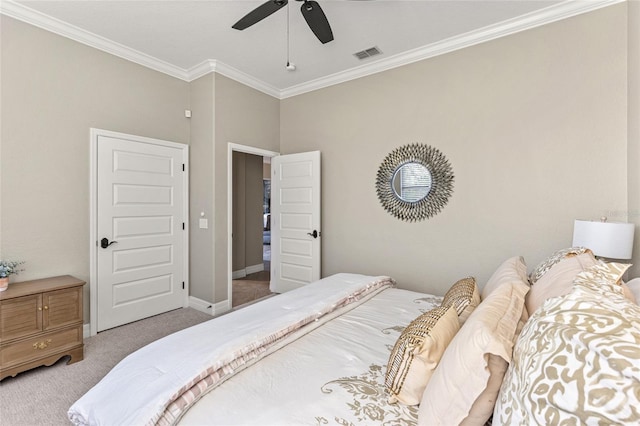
x: 414, y: 182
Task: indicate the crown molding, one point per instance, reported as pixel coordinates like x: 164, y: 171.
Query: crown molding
x: 46, y: 22
x: 211, y: 65
x: 545, y: 16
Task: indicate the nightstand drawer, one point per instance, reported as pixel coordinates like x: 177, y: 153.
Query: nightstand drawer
x: 39, y: 347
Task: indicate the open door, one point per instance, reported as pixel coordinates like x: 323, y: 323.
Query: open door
x: 295, y: 221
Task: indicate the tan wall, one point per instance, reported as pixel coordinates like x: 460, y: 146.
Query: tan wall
x: 201, y: 186
x: 244, y: 116
x: 253, y: 212
x: 53, y: 91
x: 239, y: 210
x: 633, y: 159
x: 247, y: 211
x: 266, y: 174
x: 534, y: 125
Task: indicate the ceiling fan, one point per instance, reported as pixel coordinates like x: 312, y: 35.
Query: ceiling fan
x: 311, y: 10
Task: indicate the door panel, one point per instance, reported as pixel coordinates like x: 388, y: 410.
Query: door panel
x: 295, y: 215
x: 140, y: 210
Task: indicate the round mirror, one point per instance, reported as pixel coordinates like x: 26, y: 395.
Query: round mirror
x: 411, y: 182
x: 414, y: 182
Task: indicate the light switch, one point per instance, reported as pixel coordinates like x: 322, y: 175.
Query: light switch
x: 204, y: 223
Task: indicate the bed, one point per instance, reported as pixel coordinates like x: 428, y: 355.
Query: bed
x: 353, y: 349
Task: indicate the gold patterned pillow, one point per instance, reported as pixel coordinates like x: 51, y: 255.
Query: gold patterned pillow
x: 558, y: 280
x: 577, y: 360
x: 556, y: 257
x: 417, y: 353
x: 463, y: 296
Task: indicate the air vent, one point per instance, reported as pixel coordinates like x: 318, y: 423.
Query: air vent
x: 367, y: 53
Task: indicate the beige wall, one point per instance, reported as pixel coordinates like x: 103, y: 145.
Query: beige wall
x: 247, y: 211
x: 253, y: 214
x: 633, y: 117
x: 239, y: 210
x: 534, y: 125
x: 53, y: 91
x: 266, y: 171
x: 201, y: 187
x: 243, y: 116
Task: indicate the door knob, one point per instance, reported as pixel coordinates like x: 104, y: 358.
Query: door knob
x: 314, y: 234
x: 104, y: 243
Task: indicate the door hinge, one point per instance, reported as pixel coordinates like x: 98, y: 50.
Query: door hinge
x: 183, y: 226
x: 183, y: 167
x: 183, y: 285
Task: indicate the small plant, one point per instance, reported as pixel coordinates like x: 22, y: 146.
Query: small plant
x: 9, y: 268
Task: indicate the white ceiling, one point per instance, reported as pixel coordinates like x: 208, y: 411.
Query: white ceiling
x: 190, y: 38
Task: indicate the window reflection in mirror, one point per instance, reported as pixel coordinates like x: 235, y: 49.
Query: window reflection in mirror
x: 411, y: 182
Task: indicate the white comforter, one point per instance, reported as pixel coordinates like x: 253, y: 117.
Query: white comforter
x: 331, y: 376
x: 140, y: 388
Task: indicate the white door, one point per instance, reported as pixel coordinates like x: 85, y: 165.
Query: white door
x: 140, y: 237
x: 295, y: 220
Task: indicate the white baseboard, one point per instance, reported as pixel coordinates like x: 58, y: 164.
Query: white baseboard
x: 254, y: 268
x: 241, y: 273
x: 221, y: 307
x: 201, y: 305
x: 207, y: 307
x: 194, y: 302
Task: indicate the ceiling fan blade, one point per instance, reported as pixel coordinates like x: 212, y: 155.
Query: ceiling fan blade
x: 259, y: 13
x: 317, y: 20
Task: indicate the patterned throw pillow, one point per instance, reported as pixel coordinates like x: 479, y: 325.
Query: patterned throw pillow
x: 463, y: 296
x: 417, y: 353
x: 556, y: 257
x: 558, y: 280
x: 577, y: 360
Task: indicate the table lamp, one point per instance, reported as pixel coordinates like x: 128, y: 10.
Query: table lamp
x: 612, y: 240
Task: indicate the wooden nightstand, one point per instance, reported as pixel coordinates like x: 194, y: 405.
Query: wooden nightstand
x: 40, y: 322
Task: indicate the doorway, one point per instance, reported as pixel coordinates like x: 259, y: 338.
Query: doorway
x: 249, y: 210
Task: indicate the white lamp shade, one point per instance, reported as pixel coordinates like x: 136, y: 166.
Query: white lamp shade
x: 613, y: 240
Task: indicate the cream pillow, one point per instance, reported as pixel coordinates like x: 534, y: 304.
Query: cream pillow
x: 482, y: 407
x: 558, y: 280
x: 417, y: 353
x: 511, y: 270
x: 463, y: 296
x: 634, y: 288
x: 463, y: 388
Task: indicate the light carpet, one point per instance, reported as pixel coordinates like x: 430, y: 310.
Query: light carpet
x: 43, y: 395
x: 251, y: 288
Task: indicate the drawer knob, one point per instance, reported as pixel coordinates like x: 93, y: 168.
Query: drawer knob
x: 41, y: 345
x: 46, y: 307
